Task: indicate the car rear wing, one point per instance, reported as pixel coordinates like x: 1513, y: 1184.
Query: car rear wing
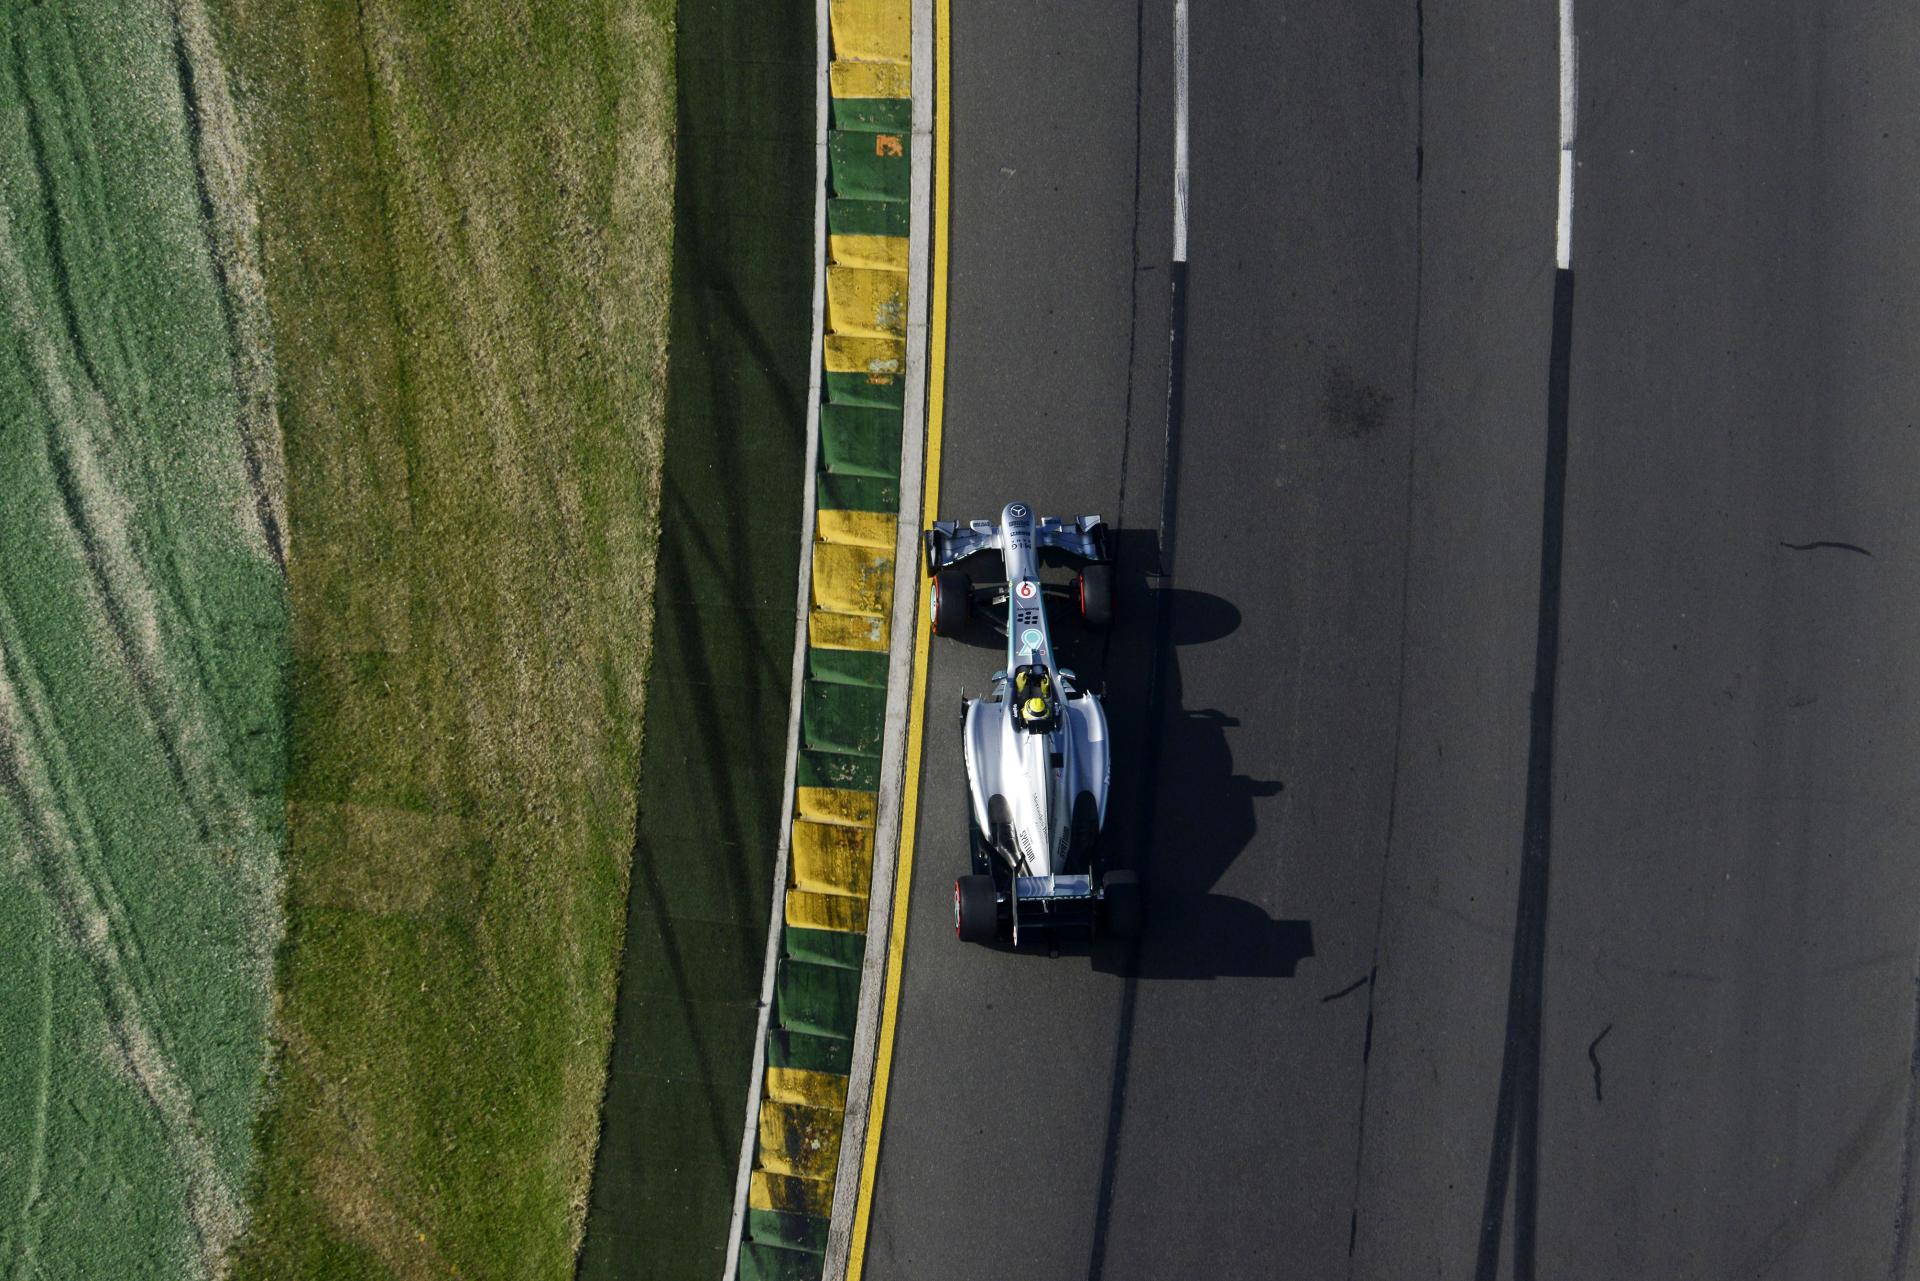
x: 949, y: 542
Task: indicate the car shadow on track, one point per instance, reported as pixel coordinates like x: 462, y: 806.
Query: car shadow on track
x: 1200, y: 815
x: 1206, y: 819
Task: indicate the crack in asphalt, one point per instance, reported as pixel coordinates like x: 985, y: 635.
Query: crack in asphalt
x: 1593, y: 1057
x: 1823, y: 543
x: 1406, y: 575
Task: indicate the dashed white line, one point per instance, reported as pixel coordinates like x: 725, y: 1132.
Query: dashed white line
x: 1180, y: 130
x: 1569, y: 109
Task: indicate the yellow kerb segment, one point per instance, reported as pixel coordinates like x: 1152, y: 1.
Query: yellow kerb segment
x: 870, y: 80
x: 807, y: 1087
x: 861, y: 300
x: 857, y: 529
x: 792, y: 1196
x: 834, y: 805
x: 887, y: 253
x: 828, y: 630
x: 832, y: 858
x: 799, y: 1140
x: 875, y: 357
x: 872, y: 30
x: 842, y: 913
x: 852, y: 580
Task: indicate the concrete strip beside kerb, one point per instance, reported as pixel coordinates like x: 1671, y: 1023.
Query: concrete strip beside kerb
x: 777, y: 912
x: 906, y: 600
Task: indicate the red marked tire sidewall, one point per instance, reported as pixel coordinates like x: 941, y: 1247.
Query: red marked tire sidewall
x: 956, y: 909
x: 1080, y: 581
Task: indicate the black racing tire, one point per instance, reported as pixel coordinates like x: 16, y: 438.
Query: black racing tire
x: 950, y: 601
x: 1095, y: 586
x: 976, y: 910
x: 1120, y: 901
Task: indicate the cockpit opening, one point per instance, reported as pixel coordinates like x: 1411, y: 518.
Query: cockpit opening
x: 1036, y: 699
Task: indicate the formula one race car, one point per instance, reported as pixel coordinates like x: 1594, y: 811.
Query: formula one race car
x: 1036, y: 745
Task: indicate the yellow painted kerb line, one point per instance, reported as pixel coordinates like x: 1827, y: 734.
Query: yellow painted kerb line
x: 922, y: 637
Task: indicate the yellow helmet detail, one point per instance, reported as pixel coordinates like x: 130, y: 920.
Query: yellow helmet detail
x: 1036, y: 707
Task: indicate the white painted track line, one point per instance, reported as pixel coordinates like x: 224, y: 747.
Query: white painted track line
x: 1569, y: 127
x: 1180, y: 130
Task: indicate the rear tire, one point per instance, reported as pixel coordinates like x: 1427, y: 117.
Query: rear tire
x: 976, y: 911
x: 950, y: 601
x: 1096, y: 595
x: 1120, y: 898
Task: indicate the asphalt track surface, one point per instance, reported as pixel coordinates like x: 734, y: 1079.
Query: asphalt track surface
x: 1300, y: 1071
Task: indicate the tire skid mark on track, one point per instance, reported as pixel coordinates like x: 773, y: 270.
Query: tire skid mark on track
x: 1910, y: 1142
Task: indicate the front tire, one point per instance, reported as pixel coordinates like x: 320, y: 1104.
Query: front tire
x: 1096, y: 595
x: 1120, y: 899
x: 976, y: 909
x: 950, y: 601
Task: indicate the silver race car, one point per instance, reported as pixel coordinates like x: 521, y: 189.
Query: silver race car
x: 1036, y: 744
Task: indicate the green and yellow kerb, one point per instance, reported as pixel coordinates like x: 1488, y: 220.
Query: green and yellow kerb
x: 843, y: 700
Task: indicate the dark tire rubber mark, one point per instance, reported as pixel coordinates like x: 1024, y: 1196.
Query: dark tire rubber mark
x: 1841, y: 547
x: 1903, y: 1207
x: 1593, y: 1057
x: 1516, y: 1123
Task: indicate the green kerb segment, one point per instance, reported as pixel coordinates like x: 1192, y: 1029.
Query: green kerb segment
x: 838, y: 769
x: 859, y: 216
x: 873, y: 115
x: 860, y: 493
x: 826, y: 947
x: 790, y: 1231
x: 842, y: 718
x: 787, y: 1048
x: 848, y: 667
x: 882, y: 391
x: 761, y: 1262
x: 820, y: 999
x: 869, y: 166
x: 860, y: 440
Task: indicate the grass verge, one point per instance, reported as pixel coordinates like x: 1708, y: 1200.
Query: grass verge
x: 464, y: 213
x: 143, y: 621
x: 717, y: 699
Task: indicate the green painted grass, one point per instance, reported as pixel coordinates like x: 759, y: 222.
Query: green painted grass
x: 464, y: 210
x: 718, y: 693
x: 143, y: 621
